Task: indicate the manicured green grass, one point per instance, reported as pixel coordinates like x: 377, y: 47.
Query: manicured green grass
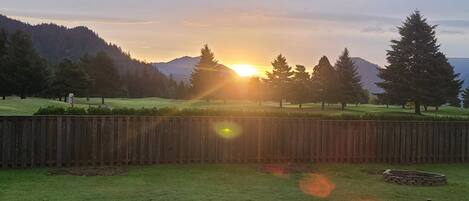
x: 229, y: 183
x: 16, y: 106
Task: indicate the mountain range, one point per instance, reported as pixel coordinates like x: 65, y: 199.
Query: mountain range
x: 181, y: 68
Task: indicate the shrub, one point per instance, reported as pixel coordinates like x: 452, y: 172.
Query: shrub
x: 50, y: 110
x: 75, y: 111
x: 99, y: 111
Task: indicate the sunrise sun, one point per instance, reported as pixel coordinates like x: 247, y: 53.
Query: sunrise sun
x: 244, y: 70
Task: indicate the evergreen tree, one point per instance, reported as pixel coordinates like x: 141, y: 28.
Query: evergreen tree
x: 204, y: 78
x: 350, y: 88
x: 5, y: 86
x: 280, y: 78
x: 69, y: 77
x: 417, y: 70
x: 301, y: 86
x: 465, y: 98
x: 27, y: 71
x: 105, y: 81
x: 446, y: 85
x: 324, y: 82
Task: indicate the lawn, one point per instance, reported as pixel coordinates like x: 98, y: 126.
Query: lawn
x: 231, y: 182
x: 16, y: 106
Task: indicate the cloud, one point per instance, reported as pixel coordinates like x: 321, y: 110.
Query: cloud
x: 336, y: 17
x: 76, y: 18
x: 453, y: 23
x: 452, y: 32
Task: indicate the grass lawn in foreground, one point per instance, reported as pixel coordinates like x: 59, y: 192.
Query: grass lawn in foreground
x: 17, y: 106
x: 229, y: 183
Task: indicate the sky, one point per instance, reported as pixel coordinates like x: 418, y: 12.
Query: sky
x: 248, y: 31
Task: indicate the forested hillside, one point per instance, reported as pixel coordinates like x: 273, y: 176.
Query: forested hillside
x: 56, y: 43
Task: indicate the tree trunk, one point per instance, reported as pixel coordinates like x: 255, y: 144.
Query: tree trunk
x: 437, y: 107
x: 87, y: 99
x: 301, y: 105
x: 102, y: 100
x: 387, y: 106
x: 22, y: 96
x: 281, y: 103
x: 425, y: 107
x: 65, y: 98
x: 322, y: 105
x: 343, y: 105
x: 3, y: 97
x: 60, y: 98
x: 403, y: 106
x: 417, y: 108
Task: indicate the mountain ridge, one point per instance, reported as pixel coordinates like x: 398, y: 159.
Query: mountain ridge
x: 180, y: 69
x: 56, y: 42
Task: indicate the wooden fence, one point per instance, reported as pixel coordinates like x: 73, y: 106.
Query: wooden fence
x: 121, y: 140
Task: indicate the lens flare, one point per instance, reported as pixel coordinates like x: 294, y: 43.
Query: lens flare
x: 276, y: 170
x: 227, y: 130
x: 316, y: 185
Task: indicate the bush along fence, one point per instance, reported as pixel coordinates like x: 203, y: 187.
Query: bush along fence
x: 39, y: 141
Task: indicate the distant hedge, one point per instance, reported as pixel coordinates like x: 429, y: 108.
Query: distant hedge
x: 54, y: 110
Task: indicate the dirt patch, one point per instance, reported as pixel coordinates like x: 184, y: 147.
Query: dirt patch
x: 89, y: 171
x: 281, y: 169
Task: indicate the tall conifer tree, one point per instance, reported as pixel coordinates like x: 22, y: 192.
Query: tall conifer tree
x: 204, y: 78
x: 324, y: 82
x: 416, y: 66
x: 27, y: 71
x: 350, y: 89
x: 301, y: 86
x: 105, y: 80
x: 280, y: 78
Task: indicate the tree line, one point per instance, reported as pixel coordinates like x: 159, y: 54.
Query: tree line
x: 418, y: 74
x: 327, y: 84
x: 24, y: 73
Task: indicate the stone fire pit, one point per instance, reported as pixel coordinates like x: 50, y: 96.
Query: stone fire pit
x: 415, y: 178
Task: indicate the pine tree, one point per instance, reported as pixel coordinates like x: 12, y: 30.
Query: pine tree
x: 350, y: 88
x: 416, y: 66
x: 301, y: 86
x: 280, y: 78
x: 69, y: 77
x: 465, y: 98
x: 446, y: 85
x: 27, y: 71
x: 204, y: 78
x: 103, y: 74
x: 324, y: 82
x: 5, y: 86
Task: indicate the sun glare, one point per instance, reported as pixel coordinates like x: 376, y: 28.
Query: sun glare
x: 244, y: 70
